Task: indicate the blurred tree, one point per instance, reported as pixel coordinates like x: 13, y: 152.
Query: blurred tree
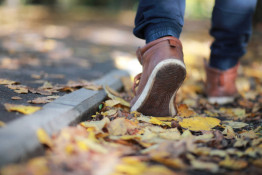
x: 258, y: 13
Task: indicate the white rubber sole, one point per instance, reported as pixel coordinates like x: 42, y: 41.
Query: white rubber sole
x: 150, y: 82
x: 220, y: 100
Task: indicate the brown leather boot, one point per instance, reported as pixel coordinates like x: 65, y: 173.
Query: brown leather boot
x: 221, y: 85
x: 163, y: 73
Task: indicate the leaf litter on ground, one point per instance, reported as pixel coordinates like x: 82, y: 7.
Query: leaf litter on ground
x: 201, y: 138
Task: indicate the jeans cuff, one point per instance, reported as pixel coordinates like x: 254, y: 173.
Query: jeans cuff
x: 159, y: 30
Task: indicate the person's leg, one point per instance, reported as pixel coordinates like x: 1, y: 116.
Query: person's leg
x: 156, y: 19
x: 231, y: 28
x: 160, y: 22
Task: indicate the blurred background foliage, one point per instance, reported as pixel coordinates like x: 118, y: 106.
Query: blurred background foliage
x: 195, y: 9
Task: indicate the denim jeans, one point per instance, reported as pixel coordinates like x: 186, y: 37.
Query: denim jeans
x: 231, y: 26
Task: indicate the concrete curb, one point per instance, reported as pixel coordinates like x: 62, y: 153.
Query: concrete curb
x: 18, y: 138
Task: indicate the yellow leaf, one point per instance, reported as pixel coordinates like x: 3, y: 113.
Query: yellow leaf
x: 155, y: 121
x: 217, y: 152
x: 2, y: 124
x: 233, y: 164
x: 21, y: 108
x: 38, y: 166
x: 111, y: 103
x: 174, y: 162
x: 165, y: 118
x: 7, y: 82
x: 16, y: 98
x: 113, y: 97
x: 19, y: 88
x: 131, y: 166
x: 43, y: 137
x: 97, y: 125
x: 199, y: 123
x: 200, y: 165
x: 109, y: 112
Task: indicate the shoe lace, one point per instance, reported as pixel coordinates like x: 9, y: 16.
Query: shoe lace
x: 136, y: 82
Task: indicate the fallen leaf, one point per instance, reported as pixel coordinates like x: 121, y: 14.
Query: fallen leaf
x: 111, y: 103
x: 155, y: 121
x: 97, y: 125
x: 21, y: 108
x: 109, y: 112
x: 16, y: 98
x: 43, y: 137
x: 21, y: 89
x: 248, y: 134
x: 240, y: 143
x: 2, y: 124
x: 184, y: 111
x: 233, y: 163
x: 199, y: 123
x: 229, y: 132
x: 200, y: 165
x: 217, y: 152
x: 93, y: 87
x: 121, y: 126
x: 130, y: 166
x: 113, y: 97
x: 43, y: 100
x: 235, y: 125
x: 7, y: 82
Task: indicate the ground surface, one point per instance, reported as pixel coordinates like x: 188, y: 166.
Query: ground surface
x: 202, y: 139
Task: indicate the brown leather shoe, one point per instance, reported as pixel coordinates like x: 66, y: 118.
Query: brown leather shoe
x: 163, y: 73
x: 221, y: 85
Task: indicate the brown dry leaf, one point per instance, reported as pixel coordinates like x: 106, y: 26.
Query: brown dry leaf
x: 21, y: 108
x: 40, y: 91
x: 235, y: 125
x: 237, y: 113
x: 7, y: 82
x: 16, y: 98
x: 113, y: 97
x: 240, y: 143
x: 35, y: 76
x: 229, y: 132
x: 43, y: 100
x: 93, y: 87
x: 199, y: 123
x: 184, y: 111
x: 21, y: 89
x: 43, y: 137
x: 121, y: 126
x: 257, y: 163
x: 249, y: 134
x: 233, y: 163
x: 127, y: 85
